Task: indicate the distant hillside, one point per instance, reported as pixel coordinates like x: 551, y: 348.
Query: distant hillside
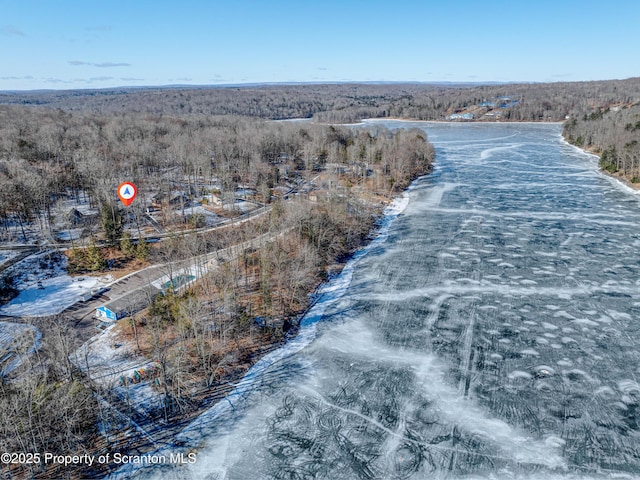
x: 268, y: 101
x: 341, y: 103
x: 602, y: 115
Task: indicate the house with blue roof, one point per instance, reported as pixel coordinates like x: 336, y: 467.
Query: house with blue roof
x: 127, y: 305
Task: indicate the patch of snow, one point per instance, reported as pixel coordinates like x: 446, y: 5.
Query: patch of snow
x: 242, y: 206
x: 108, y: 363
x: 6, y: 255
x: 70, y: 234
x: 210, y: 218
x: 45, y: 288
x: 38, y: 267
x: 17, y: 341
x: 56, y: 295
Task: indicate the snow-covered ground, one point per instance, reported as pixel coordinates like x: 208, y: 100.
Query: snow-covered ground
x: 17, y: 341
x: 45, y: 287
x: 13, y: 233
x: 108, y: 362
x: 69, y: 234
x: 241, y: 205
x: 56, y: 295
x: 211, y: 218
x: 71, y: 217
x: 38, y: 267
x: 81, y: 204
x: 6, y: 255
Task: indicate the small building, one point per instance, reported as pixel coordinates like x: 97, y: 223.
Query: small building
x: 127, y: 305
x: 104, y: 312
x: 461, y: 116
x: 178, y: 198
x: 161, y: 199
x: 211, y: 199
x: 74, y: 217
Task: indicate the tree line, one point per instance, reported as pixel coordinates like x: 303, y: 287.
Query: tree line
x: 613, y: 132
x: 344, y: 103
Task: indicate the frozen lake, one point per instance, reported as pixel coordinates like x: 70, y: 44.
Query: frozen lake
x: 493, y: 332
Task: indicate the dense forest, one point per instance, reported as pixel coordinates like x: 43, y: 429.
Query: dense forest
x: 46, y: 154
x: 268, y: 101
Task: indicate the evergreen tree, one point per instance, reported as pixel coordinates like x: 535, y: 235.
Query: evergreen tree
x: 95, y: 258
x: 111, y: 222
x: 141, y: 250
x: 8, y: 288
x: 77, y: 260
x: 126, y: 245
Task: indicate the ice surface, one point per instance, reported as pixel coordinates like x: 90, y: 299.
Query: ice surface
x: 491, y: 333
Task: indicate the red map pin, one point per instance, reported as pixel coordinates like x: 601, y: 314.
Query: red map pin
x: 127, y: 192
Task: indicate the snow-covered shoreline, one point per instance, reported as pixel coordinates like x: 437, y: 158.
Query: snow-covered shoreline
x: 450, y: 122
x: 619, y: 182
x: 194, y: 435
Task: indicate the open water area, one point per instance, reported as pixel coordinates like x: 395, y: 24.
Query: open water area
x: 491, y: 332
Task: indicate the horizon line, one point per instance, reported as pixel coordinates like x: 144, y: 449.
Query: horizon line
x: 302, y: 83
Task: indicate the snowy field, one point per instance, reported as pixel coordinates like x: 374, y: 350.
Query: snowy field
x: 55, y: 295
x: 242, y: 205
x: 45, y: 288
x: 69, y: 234
x: 13, y: 233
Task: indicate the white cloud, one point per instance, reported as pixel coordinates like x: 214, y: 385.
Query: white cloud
x: 77, y: 63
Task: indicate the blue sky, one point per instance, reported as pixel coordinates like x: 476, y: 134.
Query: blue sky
x: 94, y: 44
